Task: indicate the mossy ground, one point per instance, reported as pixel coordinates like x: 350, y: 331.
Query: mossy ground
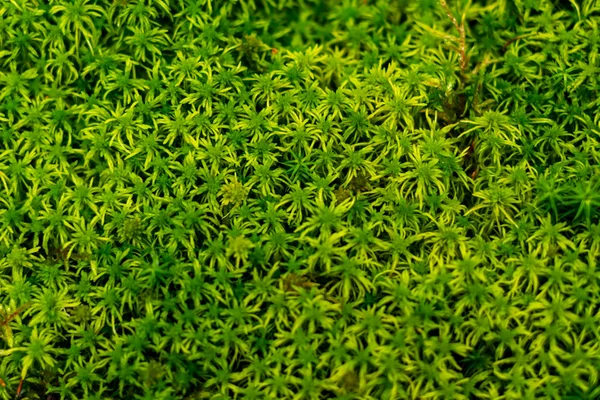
x: 299, y: 199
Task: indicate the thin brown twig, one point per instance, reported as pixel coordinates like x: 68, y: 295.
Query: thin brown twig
x: 20, y: 388
x: 4, y: 322
x: 462, y: 53
x: 510, y: 41
x: 12, y: 316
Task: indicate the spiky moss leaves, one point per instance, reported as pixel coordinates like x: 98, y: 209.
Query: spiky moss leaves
x: 299, y: 199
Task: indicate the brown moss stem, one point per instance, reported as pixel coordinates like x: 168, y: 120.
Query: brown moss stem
x: 462, y: 49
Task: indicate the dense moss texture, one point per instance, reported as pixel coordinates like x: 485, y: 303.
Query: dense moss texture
x: 296, y: 199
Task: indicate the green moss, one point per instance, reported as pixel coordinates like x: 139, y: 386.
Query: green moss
x: 299, y: 199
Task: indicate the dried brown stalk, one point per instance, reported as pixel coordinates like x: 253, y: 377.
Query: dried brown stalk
x: 462, y: 49
x: 8, y: 318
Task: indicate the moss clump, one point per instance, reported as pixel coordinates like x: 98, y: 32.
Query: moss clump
x: 299, y: 199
